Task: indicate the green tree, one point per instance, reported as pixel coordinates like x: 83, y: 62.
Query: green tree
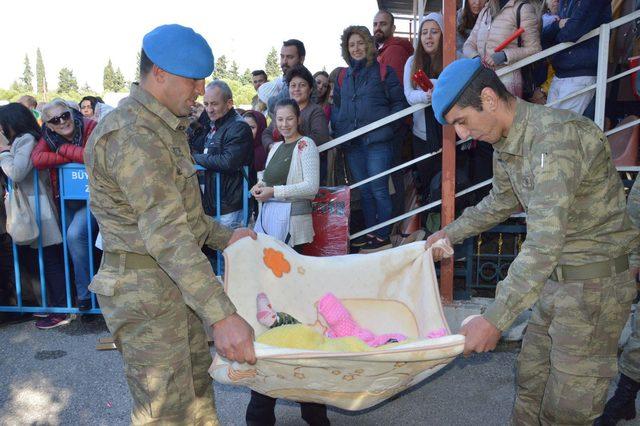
x: 221, y: 68
x: 242, y: 93
x: 8, y: 95
x: 41, y: 78
x: 108, y: 77
x: 27, y: 75
x: 67, y: 82
x: 233, y: 71
x: 119, y: 83
x: 272, y: 65
x: 246, y: 77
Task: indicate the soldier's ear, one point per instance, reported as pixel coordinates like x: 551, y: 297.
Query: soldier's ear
x: 158, y: 74
x: 489, y: 99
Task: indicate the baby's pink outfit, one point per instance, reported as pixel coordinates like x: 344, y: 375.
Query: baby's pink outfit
x: 342, y: 324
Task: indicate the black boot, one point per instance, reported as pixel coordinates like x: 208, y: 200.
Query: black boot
x: 622, y: 406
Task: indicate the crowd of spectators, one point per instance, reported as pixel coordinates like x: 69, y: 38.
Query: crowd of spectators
x: 273, y: 145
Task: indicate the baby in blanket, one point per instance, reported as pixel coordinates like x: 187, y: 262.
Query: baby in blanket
x: 342, y: 331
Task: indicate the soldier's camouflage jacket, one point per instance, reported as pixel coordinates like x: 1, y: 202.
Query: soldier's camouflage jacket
x: 557, y: 166
x: 144, y: 193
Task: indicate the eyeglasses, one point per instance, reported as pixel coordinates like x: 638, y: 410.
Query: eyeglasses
x: 65, y: 116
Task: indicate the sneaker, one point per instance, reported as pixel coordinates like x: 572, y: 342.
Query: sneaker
x: 376, y: 244
x: 54, y: 320
x: 362, y: 241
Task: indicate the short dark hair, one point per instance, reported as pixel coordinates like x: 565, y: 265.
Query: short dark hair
x: 301, y: 71
x: 145, y: 64
x: 298, y: 44
x: 16, y: 119
x: 486, y: 77
x: 259, y: 72
x: 282, y: 103
x: 92, y: 99
x: 386, y: 12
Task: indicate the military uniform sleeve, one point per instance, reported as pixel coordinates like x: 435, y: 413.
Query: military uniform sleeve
x: 633, y: 208
x: 218, y: 235
x: 143, y: 170
x: 492, y: 210
x: 554, y: 185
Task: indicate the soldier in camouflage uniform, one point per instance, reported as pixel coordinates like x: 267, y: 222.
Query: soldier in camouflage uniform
x: 573, y: 266
x: 623, y: 403
x: 155, y: 286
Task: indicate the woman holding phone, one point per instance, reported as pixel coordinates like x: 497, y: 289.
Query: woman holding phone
x: 427, y: 132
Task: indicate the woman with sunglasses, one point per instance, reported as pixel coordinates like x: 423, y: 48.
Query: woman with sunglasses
x: 64, y: 136
x: 19, y: 132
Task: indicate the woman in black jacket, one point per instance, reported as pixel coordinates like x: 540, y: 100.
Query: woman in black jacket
x: 366, y: 92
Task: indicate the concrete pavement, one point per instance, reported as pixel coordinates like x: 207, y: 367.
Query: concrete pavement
x: 57, y: 377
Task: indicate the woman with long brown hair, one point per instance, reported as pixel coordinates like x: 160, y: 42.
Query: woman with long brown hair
x: 427, y: 132
x: 465, y: 21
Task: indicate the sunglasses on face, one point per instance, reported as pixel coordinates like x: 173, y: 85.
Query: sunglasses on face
x: 65, y: 116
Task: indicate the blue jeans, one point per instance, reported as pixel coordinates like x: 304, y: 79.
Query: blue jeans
x: 367, y: 161
x: 78, y: 244
x: 232, y: 220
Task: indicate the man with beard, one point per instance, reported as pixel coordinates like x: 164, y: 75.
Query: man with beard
x: 291, y: 54
x: 392, y: 51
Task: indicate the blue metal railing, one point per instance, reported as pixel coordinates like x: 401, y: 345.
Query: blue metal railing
x: 74, y: 186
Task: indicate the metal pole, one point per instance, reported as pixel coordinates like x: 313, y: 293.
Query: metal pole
x: 245, y: 197
x: 415, y: 22
x: 218, y: 214
x: 16, y: 263
x: 36, y: 192
x: 448, y: 153
x: 65, y: 247
x: 601, y: 77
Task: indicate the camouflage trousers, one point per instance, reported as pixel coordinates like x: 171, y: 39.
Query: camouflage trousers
x: 163, y: 345
x: 569, y: 350
x: 630, y: 359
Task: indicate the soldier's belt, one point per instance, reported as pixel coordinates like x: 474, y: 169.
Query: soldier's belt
x: 129, y: 261
x: 591, y: 271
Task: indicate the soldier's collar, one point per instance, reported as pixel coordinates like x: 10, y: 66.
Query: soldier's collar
x: 152, y: 104
x: 512, y: 144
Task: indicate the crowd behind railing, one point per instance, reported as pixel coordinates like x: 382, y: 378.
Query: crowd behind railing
x: 272, y: 147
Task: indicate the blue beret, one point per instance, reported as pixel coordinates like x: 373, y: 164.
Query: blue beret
x: 451, y: 83
x: 179, y: 50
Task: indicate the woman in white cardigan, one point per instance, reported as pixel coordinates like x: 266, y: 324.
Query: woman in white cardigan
x: 290, y: 181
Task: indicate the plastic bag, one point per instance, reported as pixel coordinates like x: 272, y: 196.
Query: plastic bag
x: 330, y: 212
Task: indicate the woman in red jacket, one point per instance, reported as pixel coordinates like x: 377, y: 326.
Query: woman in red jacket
x: 64, y: 135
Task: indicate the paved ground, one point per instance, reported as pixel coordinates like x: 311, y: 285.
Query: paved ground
x: 57, y: 377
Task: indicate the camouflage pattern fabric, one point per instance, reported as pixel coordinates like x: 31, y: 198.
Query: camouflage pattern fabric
x: 146, y: 199
x: 569, y: 350
x: 557, y: 166
x: 630, y: 358
x: 633, y: 209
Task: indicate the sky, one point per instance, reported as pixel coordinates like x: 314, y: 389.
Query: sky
x: 83, y: 35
